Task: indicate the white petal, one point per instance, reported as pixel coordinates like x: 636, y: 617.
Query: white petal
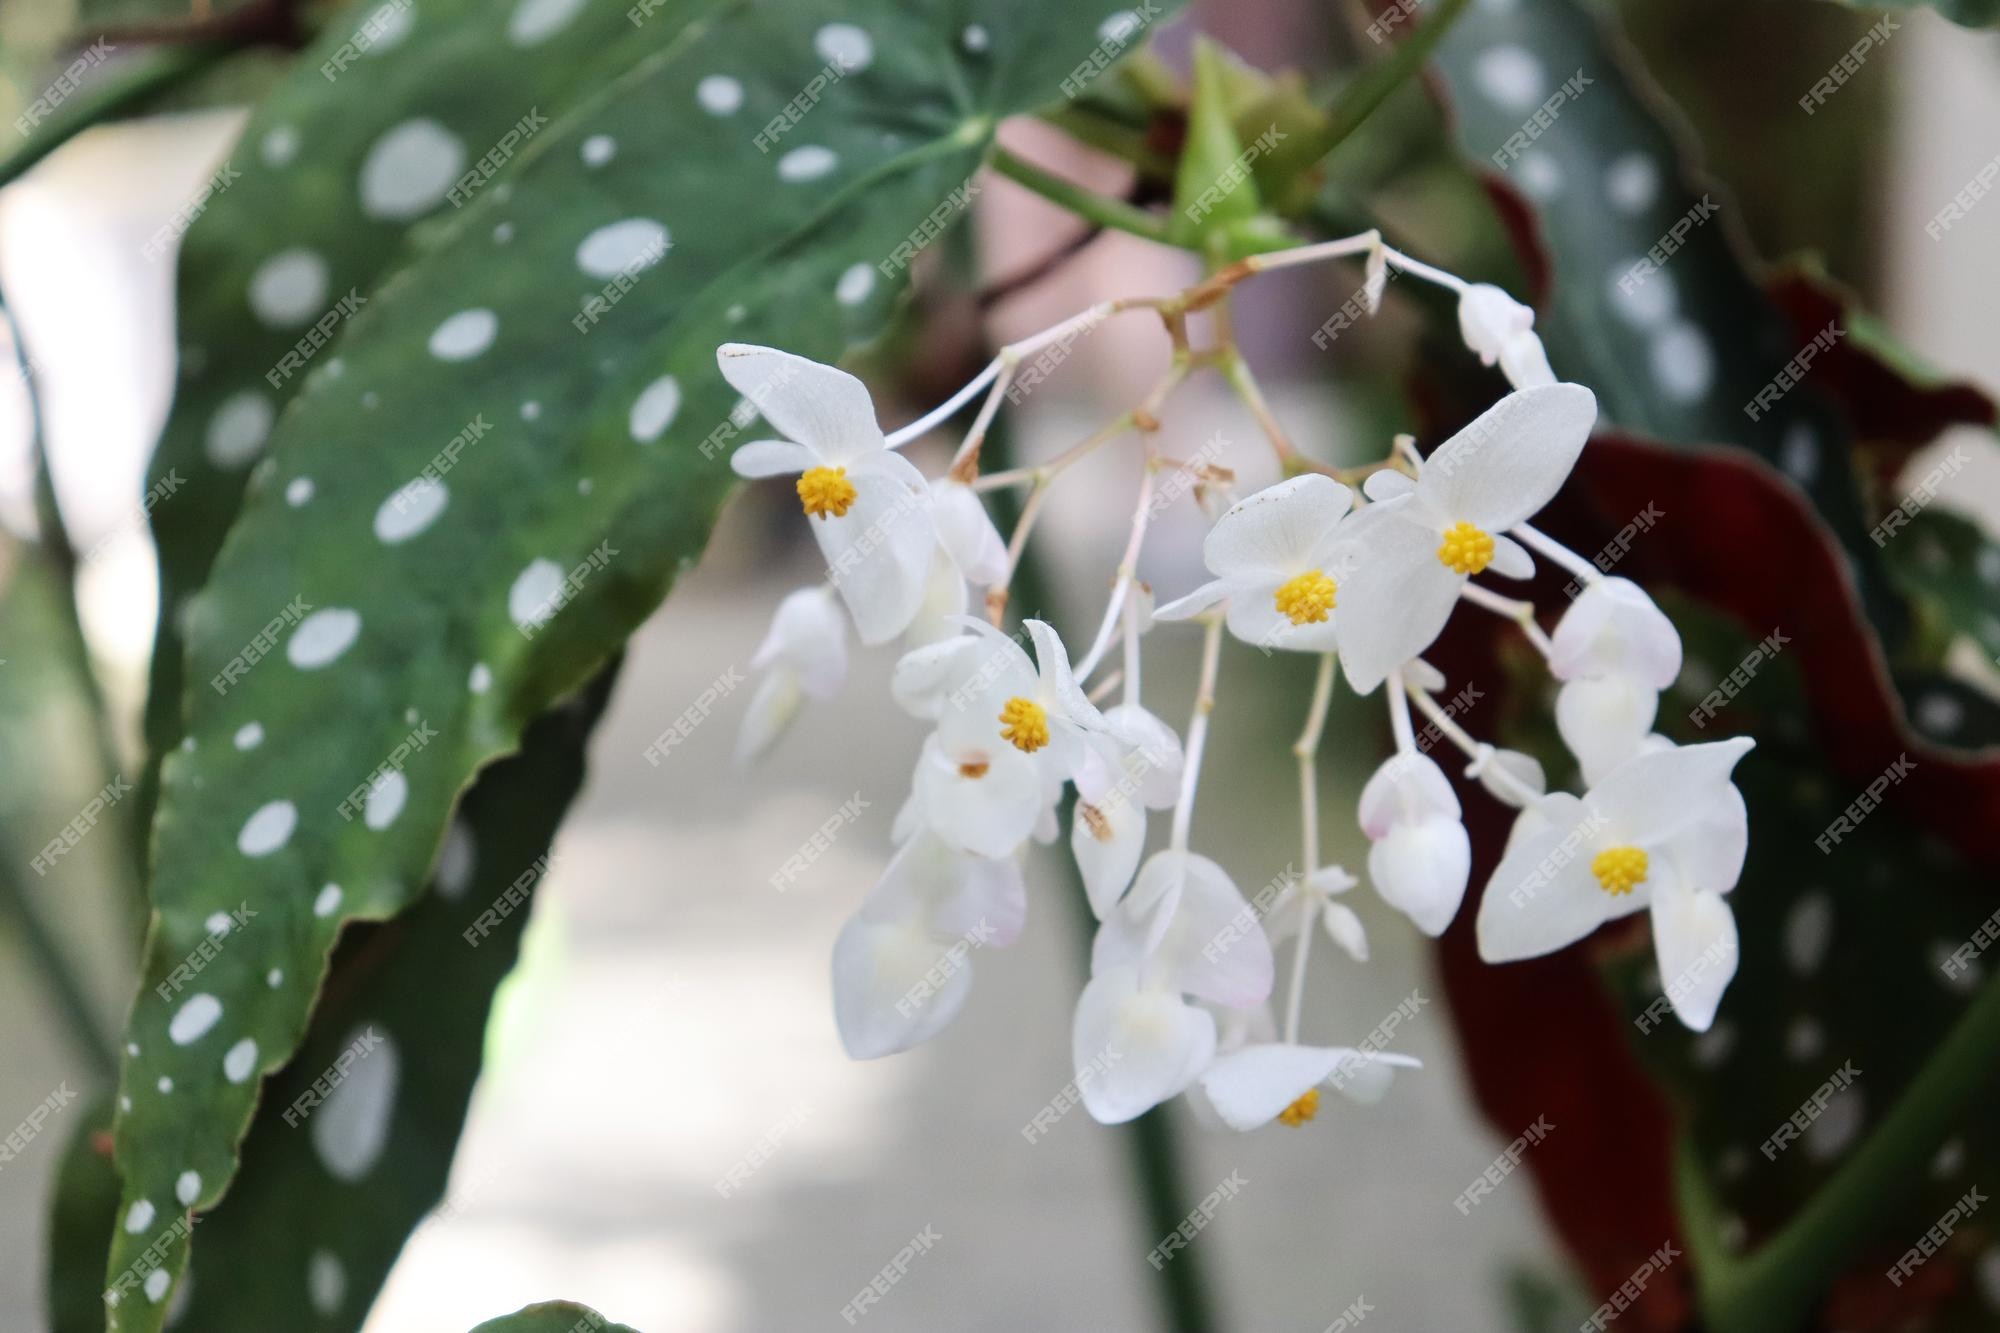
x: 924, y: 676
x: 1694, y: 934
x: 967, y: 531
x: 944, y: 601
x: 1196, y: 602
x: 893, y: 987
x: 1708, y: 854
x: 1407, y: 787
x: 879, y: 554
x: 1421, y: 868
x: 1215, y: 948
x: 1604, y: 720
x: 1424, y: 676
x: 1364, y: 1076
x: 989, y: 811
x: 1512, y: 459
x: 1331, y: 879
x: 771, y: 458
x: 808, y: 635
x: 1139, y: 1047
x: 1058, y: 681
x: 1106, y: 840
x: 1249, y: 1086
x: 1614, y: 628
x: 1344, y: 928
x: 772, y: 707
x: 1651, y: 799
x: 1525, y: 362
x: 1510, y: 559
x: 1277, y: 530
x: 1253, y: 617
x: 1542, y: 895
x: 1488, y: 317
x: 1387, y: 484
x: 1524, y: 769
x: 1399, y: 596
x: 1152, y: 758
x: 813, y: 404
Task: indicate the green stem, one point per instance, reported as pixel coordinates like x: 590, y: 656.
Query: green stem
x: 1358, y: 100
x: 1086, y: 204
x: 135, y: 79
x: 90, y: 1037
x: 1773, y: 1290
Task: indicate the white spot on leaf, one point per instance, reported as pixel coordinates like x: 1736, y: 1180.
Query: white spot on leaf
x: 351, y: 1128
x: 328, y: 901
x: 532, y: 598
x: 855, y: 284
x: 326, y: 1282
x: 409, y: 169
x: 289, y: 288
x: 464, y: 335
x: 719, y: 94
x: 1510, y: 76
x: 241, y: 1061
x: 250, y: 735
x: 322, y: 637
x: 630, y: 246
x: 385, y: 799
x: 807, y: 163
x: 655, y: 409
x: 538, y: 20
x: 238, y: 429
x: 410, y: 510
x: 844, y: 45
x: 299, y: 491
x: 187, y: 1188
x: 268, y: 829
x: 139, y: 1218
x: 197, y: 1014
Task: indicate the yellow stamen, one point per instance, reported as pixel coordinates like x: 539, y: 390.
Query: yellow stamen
x: 1302, y: 1110
x: 1024, y: 723
x: 1307, y: 598
x: 826, y: 491
x: 1466, y: 549
x: 1619, y: 869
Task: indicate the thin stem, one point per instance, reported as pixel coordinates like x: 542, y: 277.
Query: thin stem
x: 1086, y: 204
x: 1314, y: 253
x: 1475, y: 750
x: 996, y: 596
x: 1359, y: 99
x: 1121, y: 585
x: 1237, y: 371
x: 1557, y: 552
x: 944, y: 411
x: 1416, y: 268
x: 1131, y: 652
x: 1512, y: 608
x: 1306, y: 748
x: 1197, y: 737
x: 1773, y: 1291
x: 1399, y: 714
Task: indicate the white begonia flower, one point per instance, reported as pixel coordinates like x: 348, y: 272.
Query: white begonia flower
x: 982, y: 799
x: 1003, y: 699
x: 970, y: 550
x: 1666, y: 830
x: 1342, y: 925
x: 1135, y: 763
x: 902, y: 965
x: 1184, y: 929
x: 867, y: 505
x: 1254, y: 1085
x: 1501, y: 329
x: 1421, y: 857
x: 1507, y: 775
x: 1605, y: 721
x: 1412, y: 553
x: 1615, y: 650
x: 1280, y: 557
x: 804, y: 655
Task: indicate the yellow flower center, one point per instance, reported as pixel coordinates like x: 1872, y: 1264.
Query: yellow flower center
x: 826, y: 491
x: 1024, y: 724
x: 1619, y: 869
x: 1307, y: 598
x: 1302, y: 1110
x: 1466, y: 549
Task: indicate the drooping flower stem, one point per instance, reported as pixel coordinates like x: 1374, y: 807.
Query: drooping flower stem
x: 1086, y: 204
x: 1774, y: 1289
x: 1197, y: 736
x: 1306, y: 748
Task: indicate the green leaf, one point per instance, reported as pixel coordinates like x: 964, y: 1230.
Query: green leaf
x: 553, y: 1317
x: 1950, y: 570
x: 79, y: 1233
x: 404, y: 655
x: 1213, y: 189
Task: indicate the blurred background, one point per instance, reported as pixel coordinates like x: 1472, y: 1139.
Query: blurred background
x: 670, y: 1022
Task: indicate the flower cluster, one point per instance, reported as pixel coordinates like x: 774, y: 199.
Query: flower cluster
x: 1182, y: 967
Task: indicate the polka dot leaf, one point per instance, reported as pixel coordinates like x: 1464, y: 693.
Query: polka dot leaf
x: 466, y: 503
